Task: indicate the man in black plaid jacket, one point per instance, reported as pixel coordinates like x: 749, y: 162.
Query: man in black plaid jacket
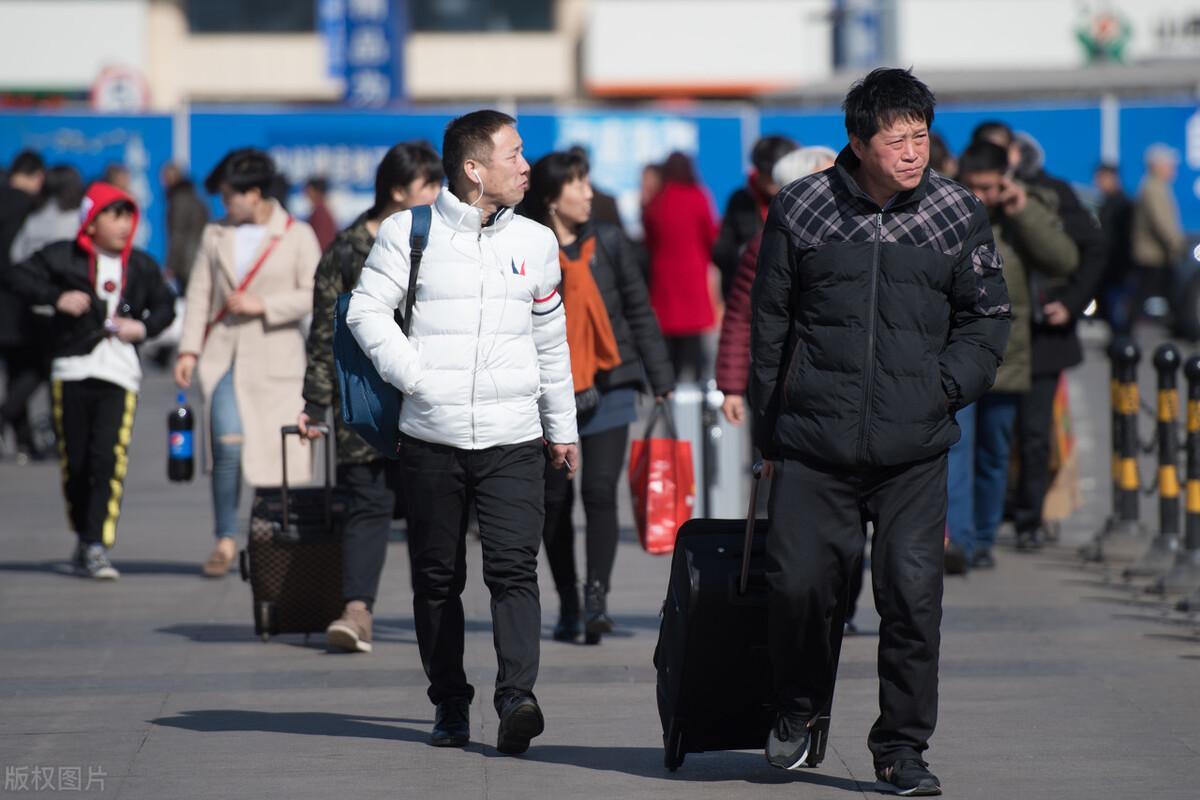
x: 879, y: 310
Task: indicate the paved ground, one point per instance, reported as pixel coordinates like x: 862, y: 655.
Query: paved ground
x: 1058, y: 681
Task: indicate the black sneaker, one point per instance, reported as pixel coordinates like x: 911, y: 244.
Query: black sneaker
x: 789, y: 741
x: 96, y: 564
x: 909, y: 778
x: 452, y: 723
x: 520, y: 721
x: 956, y: 560
x: 983, y: 559
x: 1028, y: 541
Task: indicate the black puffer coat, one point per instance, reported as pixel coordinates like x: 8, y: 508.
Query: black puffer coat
x: 643, y: 351
x: 872, y: 326
x: 63, y: 267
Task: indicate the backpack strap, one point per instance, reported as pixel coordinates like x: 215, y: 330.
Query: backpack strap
x: 418, y: 237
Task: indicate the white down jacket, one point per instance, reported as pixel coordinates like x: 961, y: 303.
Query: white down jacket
x: 486, y: 361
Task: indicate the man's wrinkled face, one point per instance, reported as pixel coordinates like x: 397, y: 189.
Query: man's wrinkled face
x: 895, y: 158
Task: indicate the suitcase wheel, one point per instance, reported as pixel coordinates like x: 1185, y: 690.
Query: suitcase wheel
x: 673, y: 748
x: 266, y: 637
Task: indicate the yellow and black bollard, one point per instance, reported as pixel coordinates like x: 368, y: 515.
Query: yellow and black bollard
x: 1123, y: 357
x: 1160, y: 554
x: 1184, y: 575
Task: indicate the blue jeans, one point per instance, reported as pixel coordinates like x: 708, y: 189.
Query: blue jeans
x: 960, y: 484
x: 226, y: 425
x: 994, y: 425
x: 978, y: 471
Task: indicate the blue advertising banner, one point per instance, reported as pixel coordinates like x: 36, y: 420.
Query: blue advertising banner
x: 345, y: 146
x: 90, y: 142
x: 621, y: 143
x: 375, y: 33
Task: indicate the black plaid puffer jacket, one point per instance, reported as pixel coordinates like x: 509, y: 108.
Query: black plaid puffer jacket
x: 872, y: 326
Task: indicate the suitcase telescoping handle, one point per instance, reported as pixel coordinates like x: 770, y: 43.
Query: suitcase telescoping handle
x: 294, y: 430
x: 751, y: 519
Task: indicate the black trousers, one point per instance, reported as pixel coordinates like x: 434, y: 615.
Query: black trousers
x: 688, y: 354
x: 505, y: 485
x: 26, y: 368
x: 94, y: 422
x: 372, y: 489
x: 1035, y: 419
x: 815, y: 543
x: 602, y: 456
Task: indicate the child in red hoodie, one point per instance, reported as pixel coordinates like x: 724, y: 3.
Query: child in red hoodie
x: 107, y: 297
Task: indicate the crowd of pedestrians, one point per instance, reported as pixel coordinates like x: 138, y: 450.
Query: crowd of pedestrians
x: 892, y: 322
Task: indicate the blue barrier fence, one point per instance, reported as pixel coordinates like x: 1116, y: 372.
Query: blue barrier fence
x: 345, y: 145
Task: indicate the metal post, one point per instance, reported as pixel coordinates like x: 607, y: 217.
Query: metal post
x: 1123, y: 356
x: 1160, y: 554
x: 1184, y: 575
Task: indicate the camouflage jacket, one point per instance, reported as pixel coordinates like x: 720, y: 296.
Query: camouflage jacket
x: 337, y: 273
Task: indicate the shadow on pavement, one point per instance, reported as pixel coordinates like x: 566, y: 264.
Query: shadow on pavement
x: 62, y: 567
x: 646, y: 762
x: 309, y: 723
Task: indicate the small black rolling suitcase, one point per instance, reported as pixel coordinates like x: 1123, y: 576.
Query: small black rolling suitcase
x: 714, y: 679
x: 293, y: 560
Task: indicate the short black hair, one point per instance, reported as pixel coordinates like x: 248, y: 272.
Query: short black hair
x: 678, y: 168
x: 400, y: 166
x: 318, y: 184
x: 990, y: 129
x: 243, y: 169
x: 983, y: 157
x: 887, y: 94
x: 470, y: 137
x: 547, y: 179
x: 63, y: 187
x: 768, y: 150
x: 120, y: 208
x: 1108, y: 167
x: 27, y: 162
x: 939, y: 153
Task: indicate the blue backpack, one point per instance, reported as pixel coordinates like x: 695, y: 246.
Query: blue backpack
x: 371, y: 405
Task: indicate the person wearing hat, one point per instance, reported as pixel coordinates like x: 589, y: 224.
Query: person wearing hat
x: 1157, y: 236
x: 107, y: 297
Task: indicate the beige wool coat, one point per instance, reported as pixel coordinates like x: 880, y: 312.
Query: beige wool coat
x: 266, y: 353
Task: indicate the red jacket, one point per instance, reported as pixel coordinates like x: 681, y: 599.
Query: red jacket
x: 680, y: 232
x: 733, y: 350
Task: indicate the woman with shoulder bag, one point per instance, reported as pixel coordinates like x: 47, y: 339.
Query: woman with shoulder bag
x: 616, y: 348
x: 248, y: 294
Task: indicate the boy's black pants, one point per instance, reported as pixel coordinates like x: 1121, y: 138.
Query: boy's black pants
x: 94, y: 422
x: 817, y: 516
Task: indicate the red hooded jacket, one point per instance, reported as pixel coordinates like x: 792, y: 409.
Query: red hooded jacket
x: 71, y: 266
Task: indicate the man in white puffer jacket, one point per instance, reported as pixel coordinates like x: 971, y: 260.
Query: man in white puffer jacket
x: 487, y: 381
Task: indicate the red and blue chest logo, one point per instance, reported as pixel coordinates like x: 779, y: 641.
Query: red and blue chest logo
x: 517, y: 270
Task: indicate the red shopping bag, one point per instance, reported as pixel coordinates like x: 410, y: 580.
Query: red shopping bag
x: 662, y: 483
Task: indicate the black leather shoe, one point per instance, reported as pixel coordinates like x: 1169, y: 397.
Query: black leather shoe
x: 568, y: 627
x: 452, y: 724
x: 596, y: 621
x: 520, y: 720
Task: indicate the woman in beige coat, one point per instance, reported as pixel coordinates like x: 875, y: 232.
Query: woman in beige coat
x: 249, y: 291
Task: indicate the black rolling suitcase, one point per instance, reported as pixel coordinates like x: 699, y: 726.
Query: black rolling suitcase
x: 293, y: 560
x: 714, y: 679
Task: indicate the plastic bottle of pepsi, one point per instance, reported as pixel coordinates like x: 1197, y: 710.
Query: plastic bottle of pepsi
x: 181, y: 454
